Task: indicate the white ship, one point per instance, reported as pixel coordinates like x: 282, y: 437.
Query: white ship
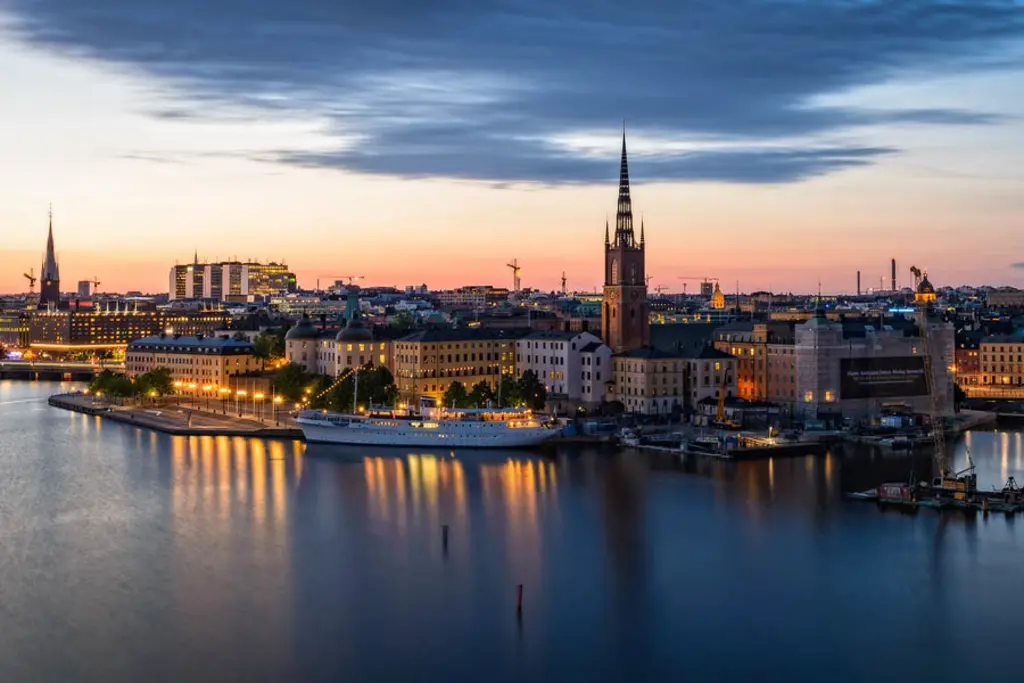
x: 438, y: 428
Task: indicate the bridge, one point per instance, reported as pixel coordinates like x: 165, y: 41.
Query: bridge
x: 55, y: 369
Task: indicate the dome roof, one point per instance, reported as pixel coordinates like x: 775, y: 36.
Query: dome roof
x: 925, y: 287
x: 355, y: 331
x: 303, y: 330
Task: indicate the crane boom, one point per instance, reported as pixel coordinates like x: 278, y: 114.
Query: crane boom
x: 935, y: 401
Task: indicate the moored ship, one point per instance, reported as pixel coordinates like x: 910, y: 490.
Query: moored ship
x: 436, y: 427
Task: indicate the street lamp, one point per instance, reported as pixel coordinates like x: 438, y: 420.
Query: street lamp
x: 223, y: 391
x: 258, y: 396
x: 277, y: 407
x: 192, y: 386
x: 206, y: 392
x: 240, y: 394
x: 177, y: 391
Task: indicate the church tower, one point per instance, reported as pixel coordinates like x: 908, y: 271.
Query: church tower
x: 624, y: 316
x: 49, y: 275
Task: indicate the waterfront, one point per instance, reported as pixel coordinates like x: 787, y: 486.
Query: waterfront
x: 131, y: 555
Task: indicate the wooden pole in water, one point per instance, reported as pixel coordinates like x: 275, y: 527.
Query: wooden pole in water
x: 444, y: 536
x: 519, y: 597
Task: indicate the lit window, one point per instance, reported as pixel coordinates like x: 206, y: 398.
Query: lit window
x: 808, y: 396
x: 829, y: 396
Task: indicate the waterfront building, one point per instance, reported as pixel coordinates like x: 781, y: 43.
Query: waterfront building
x: 1002, y: 360
x: 709, y: 373
x: 556, y: 358
x: 624, y: 315
x: 596, y: 377
x: 968, y: 359
x: 14, y: 330
x: 428, y: 361
x: 206, y: 362
x: 856, y: 369
x: 648, y: 381
x: 764, y: 353
x: 49, y: 274
x: 111, y: 329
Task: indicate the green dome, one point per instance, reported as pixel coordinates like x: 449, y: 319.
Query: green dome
x: 303, y: 330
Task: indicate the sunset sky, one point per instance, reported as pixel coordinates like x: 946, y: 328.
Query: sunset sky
x: 773, y: 142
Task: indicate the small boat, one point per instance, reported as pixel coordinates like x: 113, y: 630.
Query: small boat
x: 629, y: 437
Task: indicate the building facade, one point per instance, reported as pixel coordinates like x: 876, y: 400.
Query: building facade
x: 709, y: 373
x: 556, y: 358
x: 596, y: 377
x: 230, y: 280
x: 332, y: 352
x: 857, y: 371
x: 625, y: 321
x: 649, y: 381
x: 968, y: 360
x: 84, y: 331
x: 207, y: 362
x: 428, y: 361
x: 1002, y: 361
x: 761, y: 350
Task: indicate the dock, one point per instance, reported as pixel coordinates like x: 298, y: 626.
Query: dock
x: 174, y: 420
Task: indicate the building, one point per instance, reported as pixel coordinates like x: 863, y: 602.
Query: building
x: 968, y: 360
x: 111, y: 329
x: 624, y: 316
x: 230, y: 280
x: 556, y: 358
x: 1002, y: 361
x: 84, y: 289
x: 709, y: 373
x: 428, y: 361
x: 859, y: 369
x: 648, y: 381
x: 596, y: 378
x: 14, y: 330
x: 925, y: 293
x: 49, y: 274
x: 764, y: 353
x: 1005, y: 297
x: 717, y: 298
x: 332, y: 352
x: 207, y: 362
x: 472, y: 297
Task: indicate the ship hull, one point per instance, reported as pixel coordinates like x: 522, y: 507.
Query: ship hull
x: 361, y: 435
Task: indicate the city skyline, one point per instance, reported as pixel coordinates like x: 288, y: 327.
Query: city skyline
x: 795, y: 159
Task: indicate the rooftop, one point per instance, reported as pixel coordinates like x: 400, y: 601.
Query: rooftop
x: 191, y: 343
x: 447, y: 334
x: 647, y: 352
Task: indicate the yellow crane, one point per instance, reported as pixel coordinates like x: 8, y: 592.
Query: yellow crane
x: 32, y: 279
x: 515, y: 274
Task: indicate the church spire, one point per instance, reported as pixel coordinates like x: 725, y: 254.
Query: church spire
x: 607, y: 238
x: 50, y: 263
x: 641, y: 232
x: 624, y: 213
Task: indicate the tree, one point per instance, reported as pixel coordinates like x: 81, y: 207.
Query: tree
x: 481, y: 394
x: 455, y: 396
x: 959, y: 396
x: 267, y: 345
x: 508, y: 394
x: 532, y: 391
x: 376, y: 388
x: 291, y: 381
x: 403, y: 320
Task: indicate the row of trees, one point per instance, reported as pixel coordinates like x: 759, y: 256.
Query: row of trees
x: 525, y: 392
x: 158, y: 382
x: 376, y: 387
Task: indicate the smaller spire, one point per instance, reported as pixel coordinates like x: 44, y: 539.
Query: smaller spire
x: 607, y: 237
x: 641, y: 230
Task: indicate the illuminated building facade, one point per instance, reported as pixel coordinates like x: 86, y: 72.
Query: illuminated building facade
x: 1002, y: 361
x: 83, y: 331
x: 427, y: 362
x: 230, y: 280
x: 765, y: 363
x: 331, y: 352
x: 556, y: 358
x: 205, y: 361
x: 624, y: 316
x: 709, y: 372
x: 14, y: 330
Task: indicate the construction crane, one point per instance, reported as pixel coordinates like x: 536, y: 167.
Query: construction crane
x: 32, y: 279
x: 662, y: 288
x: 95, y: 284
x: 515, y: 274
x: 935, y: 403
x: 348, y: 280
x: 916, y: 272
x: 564, y: 291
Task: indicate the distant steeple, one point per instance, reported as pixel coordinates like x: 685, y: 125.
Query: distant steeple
x: 49, y: 276
x: 641, y: 231
x: 607, y: 239
x: 196, y: 258
x: 624, y: 213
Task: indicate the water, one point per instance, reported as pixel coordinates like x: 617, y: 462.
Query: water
x: 129, y: 556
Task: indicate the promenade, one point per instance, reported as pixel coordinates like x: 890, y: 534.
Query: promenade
x: 181, y: 420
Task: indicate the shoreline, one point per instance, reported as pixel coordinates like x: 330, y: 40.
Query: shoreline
x: 173, y: 421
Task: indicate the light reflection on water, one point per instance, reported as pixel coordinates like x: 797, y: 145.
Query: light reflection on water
x: 129, y: 555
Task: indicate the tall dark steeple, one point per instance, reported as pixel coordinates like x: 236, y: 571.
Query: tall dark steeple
x: 624, y: 315
x: 624, y: 213
x: 49, y: 275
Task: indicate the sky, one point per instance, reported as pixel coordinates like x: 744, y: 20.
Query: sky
x: 773, y: 143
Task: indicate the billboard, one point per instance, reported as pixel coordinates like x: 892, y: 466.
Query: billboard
x: 882, y: 377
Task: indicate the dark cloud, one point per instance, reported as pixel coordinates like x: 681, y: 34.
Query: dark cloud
x: 1019, y: 265
x: 479, y: 88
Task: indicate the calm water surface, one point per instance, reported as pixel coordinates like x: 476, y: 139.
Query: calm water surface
x: 132, y: 556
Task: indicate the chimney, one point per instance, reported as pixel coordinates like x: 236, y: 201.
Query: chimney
x: 894, y: 275
x: 858, y: 283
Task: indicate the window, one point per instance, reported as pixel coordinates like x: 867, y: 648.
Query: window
x: 808, y: 396
x: 829, y: 396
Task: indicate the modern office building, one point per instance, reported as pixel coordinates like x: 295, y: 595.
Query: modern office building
x: 206, y: 362
x: 84, y: 289
x: 233, y: 281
